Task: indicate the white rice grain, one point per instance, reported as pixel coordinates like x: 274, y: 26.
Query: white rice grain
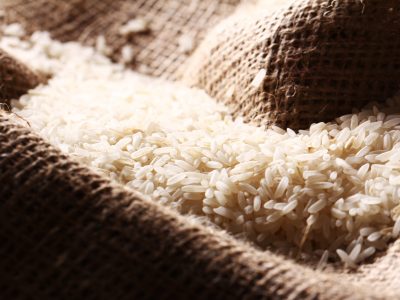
x: 345, y: 258
x: 136, y: 25
x: 317, y: 206
x: 259, y: 78
x: 396, y: 229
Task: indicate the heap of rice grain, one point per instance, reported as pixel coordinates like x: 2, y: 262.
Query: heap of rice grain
x: 332, y: 190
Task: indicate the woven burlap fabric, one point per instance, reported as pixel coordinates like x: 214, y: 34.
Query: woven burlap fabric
x: 323, y: 58
x: 67, y: 233
x: 156, y: 51
x: 15, y: 78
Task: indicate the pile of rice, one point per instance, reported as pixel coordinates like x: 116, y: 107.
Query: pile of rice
x: 331, y: 191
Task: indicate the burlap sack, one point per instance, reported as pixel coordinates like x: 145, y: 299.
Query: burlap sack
x: 15, y: 78
x: 322, y: 58
x: 68, y: 233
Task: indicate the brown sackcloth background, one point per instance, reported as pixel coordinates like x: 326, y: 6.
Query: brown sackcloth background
x: 68, y: 233
x: 156, y: 51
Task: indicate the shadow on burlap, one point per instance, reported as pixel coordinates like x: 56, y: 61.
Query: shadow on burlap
x: 68, y: 233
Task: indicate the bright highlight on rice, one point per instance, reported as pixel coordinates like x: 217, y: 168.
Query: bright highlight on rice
x: 332, y: 190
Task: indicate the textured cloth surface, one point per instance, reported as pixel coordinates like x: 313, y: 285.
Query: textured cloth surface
x: 156, y: 51
x: 67, y: 233
x: 15, y: 78
x: 322, y: 59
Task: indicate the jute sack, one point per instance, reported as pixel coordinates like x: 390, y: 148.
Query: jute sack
x: 321, y: 59
x: 68, y: 233
x: 15, y: 78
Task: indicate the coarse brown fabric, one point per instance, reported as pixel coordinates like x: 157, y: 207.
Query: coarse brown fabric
x: 15, y: 78
x: 68, y: 233
x: 322, y: 58
x: 156, y: 51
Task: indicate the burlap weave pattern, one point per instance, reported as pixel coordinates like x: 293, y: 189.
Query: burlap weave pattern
x: 15, y: 78
x: 322, y: 59
x: 156, y: 52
